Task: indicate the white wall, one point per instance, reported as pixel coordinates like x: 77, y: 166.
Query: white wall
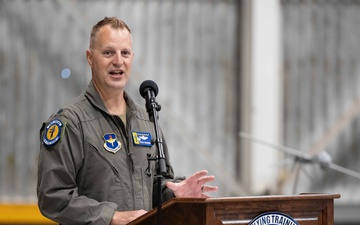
x: 266, y: 93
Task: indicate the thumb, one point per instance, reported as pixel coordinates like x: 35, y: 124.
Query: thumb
x: 171, y: 186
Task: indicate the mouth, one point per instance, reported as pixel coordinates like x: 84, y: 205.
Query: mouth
x: 117, y: 72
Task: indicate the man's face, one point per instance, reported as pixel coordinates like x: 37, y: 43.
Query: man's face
x: 110, y: 59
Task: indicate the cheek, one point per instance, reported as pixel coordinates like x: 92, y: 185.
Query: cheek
x: 100, y: 64
x: 128, y: 64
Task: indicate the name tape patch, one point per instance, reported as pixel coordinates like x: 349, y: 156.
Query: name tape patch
x: 141, y: 138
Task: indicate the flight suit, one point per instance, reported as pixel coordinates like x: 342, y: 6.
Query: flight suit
x: 91, y: 164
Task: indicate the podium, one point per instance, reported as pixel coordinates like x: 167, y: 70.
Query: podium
x: 305, y: 209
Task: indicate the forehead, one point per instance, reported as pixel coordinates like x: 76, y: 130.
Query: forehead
x: 108, y: 36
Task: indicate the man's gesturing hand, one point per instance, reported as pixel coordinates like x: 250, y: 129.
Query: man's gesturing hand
x: 194, y: 186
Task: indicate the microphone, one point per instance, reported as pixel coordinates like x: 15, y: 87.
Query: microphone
x: 148, y: 85
x: 149, y: 90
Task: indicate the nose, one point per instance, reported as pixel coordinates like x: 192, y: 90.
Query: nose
x: 118, y: 60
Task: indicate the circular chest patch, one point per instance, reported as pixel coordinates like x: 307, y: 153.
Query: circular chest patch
x: 273, y: 218
x: 52, y: 132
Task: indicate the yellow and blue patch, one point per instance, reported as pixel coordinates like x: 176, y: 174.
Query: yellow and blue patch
x: 141, y: 138
x: 111, y: 143
x: 52, y: 132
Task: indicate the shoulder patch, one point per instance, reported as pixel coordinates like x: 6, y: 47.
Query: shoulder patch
x: 52, y: 132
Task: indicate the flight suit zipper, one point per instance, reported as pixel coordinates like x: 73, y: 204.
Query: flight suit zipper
x: 123, y: 132
x: 124, y: 136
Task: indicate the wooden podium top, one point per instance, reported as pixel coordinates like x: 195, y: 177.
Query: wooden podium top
x: 306, y: 209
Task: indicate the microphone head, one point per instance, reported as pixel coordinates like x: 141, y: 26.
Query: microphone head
x: 148, y: 85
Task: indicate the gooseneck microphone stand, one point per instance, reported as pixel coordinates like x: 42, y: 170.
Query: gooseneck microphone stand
x: 148, y: 90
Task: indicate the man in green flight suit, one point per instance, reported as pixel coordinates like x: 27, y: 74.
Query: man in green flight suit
x: 93, y: 167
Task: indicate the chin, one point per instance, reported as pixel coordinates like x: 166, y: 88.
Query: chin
x: 118, y: 85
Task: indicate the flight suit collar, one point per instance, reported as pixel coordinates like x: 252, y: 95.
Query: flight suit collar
x: 95, y: 99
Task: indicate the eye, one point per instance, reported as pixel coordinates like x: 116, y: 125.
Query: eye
x: 126, y: 53
x: 108, y: 53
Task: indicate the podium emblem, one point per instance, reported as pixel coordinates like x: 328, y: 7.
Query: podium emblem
x: 273, y: 218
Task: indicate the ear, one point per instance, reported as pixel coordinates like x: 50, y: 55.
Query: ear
x: 89, y: 57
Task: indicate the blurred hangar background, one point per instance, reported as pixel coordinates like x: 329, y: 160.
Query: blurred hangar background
x: 282, y: 72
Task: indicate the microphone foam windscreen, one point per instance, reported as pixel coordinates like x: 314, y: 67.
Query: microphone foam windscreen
x: 148, y: 85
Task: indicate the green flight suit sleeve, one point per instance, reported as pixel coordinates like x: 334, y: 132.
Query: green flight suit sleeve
x: 58, y: 199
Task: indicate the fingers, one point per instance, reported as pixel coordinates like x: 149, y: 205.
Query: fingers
x: 205, y: 179
x: 171, y: 186
x: 205, y: 196
x: 193, y: 186
x: 196, y: 176
x: 207, y: 188
x: 200, y: 177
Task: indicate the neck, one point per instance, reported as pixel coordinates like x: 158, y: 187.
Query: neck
x: 116, y: 105
x: 114, y: 101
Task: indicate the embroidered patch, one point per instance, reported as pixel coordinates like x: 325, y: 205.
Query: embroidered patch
x: 273, y: 218
x: 52, y: 132
x: 111, y: 143
x: 141, y: 138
